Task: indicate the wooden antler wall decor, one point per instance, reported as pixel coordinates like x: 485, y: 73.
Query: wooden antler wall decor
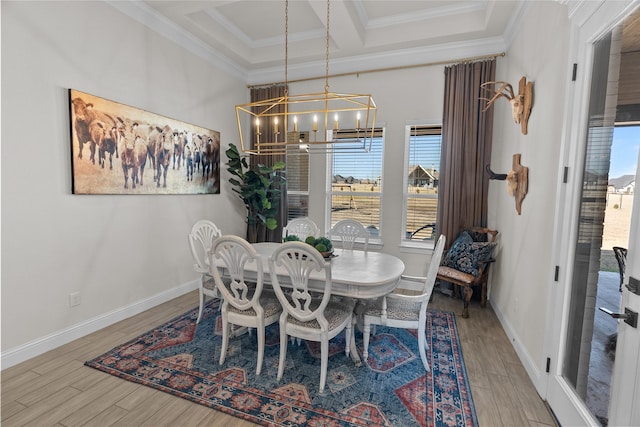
x: 517, y: 180
x: 520, y: 104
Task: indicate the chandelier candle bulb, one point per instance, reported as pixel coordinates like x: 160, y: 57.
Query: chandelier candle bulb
x: 295, y: 123
x: 315, y: 123
x: 358, y: 121
x: 335, y: 122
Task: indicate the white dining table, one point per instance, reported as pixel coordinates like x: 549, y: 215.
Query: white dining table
x: 355, y: 274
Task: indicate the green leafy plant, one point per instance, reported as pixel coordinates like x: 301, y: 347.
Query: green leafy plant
x: 324, y: 241
x: 259, y: 188
x: 321, y: 244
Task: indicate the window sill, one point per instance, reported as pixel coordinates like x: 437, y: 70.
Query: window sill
x: 374, y: 244
x: 417, y: 247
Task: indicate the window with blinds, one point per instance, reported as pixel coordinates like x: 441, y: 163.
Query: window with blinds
x: 356, y: 181
x: 422, y: 176
x: 297, y: 161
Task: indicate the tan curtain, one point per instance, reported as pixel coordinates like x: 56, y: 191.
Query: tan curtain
x: 466, y: 148
x: 267, y: 129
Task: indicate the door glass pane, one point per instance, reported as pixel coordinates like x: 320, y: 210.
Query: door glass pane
x: 591, y: 335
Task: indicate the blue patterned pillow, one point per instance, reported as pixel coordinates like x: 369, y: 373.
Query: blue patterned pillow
x: 466, y: 255
x: 463, y: 237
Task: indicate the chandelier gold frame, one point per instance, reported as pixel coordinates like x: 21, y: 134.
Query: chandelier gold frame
x: 318, y: 115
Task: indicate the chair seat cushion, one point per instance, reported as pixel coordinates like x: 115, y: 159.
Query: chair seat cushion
x: 336, y: 312
x: 208, y: 282
x: 396, y: 310
x: 466, y: 255
x: 445, y: 273
x: 268, y: 301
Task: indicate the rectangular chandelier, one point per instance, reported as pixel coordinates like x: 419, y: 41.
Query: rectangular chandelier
x: 313, y: 122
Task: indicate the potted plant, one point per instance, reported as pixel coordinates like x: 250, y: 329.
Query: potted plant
x: 260, y: 190
x: 321, y: 244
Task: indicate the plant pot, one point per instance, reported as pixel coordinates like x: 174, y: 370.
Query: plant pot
x: 327, y: 254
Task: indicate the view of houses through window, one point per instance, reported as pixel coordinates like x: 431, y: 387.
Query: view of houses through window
x: 356, y: 182
x: 422, y: 174
x: 355, y: 190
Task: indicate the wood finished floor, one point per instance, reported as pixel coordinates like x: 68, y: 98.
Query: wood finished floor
x: 56, y: 389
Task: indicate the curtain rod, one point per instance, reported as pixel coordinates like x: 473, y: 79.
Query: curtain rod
x: 379, y: 70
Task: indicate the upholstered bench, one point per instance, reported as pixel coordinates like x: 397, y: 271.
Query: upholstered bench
x: 466, y: 264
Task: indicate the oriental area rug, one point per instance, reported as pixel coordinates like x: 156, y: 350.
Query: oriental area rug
x: 390, y: 389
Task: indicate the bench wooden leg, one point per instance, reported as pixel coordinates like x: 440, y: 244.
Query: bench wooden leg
x: 455, y: 290
x: 483, y: 298
x: 468, y: 292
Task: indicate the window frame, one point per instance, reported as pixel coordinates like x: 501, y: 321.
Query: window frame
x: 407, y: 245
x: 374, y: 241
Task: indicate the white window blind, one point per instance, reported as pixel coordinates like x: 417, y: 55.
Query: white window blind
x: 422, y: 174
x: 356, y: 182
x: 297, y: 183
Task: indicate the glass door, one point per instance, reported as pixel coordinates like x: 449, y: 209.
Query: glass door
x: 588, y: 355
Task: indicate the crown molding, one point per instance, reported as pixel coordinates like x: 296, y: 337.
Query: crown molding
x: 156, y: 22
x: 426, y: 15
x: 514, y: 24
x: 447, y: 52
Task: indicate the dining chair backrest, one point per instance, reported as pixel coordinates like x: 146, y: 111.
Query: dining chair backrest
x: 621, y: 256
x: 301, y: 227
x: 201, y: 238
x: 300, y: 260
x: 348, y: 231
x: 234, y: 253
x: 434, y: 264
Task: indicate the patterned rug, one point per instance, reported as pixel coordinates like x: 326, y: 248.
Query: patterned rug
x: 391, y: 389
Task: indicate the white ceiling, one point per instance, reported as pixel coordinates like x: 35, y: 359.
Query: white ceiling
x: 246, y: 37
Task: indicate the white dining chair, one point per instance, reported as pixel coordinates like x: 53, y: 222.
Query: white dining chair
x: 301, y: 227
x: 203, y: 234
x: 405, y: 311
x: 304, y: 316
x: 348, y: 231
x: 244, y: 304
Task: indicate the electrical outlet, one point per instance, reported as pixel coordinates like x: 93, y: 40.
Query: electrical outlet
x: 74, y: 299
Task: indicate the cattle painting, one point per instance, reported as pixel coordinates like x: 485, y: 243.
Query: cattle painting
x: 90, y: 125
x: 132, y: 140
x: 134, y: 159
x: 164, y: 153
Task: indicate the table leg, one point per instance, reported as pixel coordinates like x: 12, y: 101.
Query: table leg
x: 359, y: 325
x: 353, y: 350
x: 236, y: 331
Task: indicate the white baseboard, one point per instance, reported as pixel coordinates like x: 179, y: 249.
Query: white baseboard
x: 538, y: 377
x: 41, y: 345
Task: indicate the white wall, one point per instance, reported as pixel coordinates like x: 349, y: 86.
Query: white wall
x: 523, y: 274
x: 117, y: 251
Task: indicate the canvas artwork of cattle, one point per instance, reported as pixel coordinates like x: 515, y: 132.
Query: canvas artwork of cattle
x: 118, y: 149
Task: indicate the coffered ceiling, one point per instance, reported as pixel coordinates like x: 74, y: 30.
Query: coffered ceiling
x: 247, y: 36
